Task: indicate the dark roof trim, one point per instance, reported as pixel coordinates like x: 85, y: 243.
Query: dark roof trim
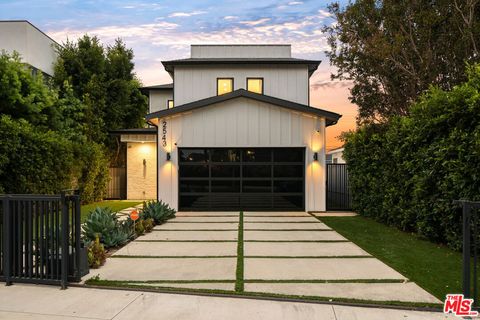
x: 312, y: 64
x: 167, y: 86
x: 134, y: 131
x: 331, y: 117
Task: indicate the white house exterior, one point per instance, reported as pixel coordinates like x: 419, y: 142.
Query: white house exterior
x: 335, y: 156
x: 35, y: 47
x: 239, y: 133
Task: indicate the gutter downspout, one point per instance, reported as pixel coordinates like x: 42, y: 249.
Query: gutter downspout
x: 156, y: 156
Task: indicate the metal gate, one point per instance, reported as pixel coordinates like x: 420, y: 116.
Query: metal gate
x: 40, y: 239
x: 117, y: 184
x: 338, y: 189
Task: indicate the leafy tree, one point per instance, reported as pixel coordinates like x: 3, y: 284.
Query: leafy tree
x: 394, y: 50
x: 104, y: 79
x: 44, y: 146
x: 407, y: 172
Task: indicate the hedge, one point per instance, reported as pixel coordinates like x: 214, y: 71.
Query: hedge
x: 406, y: 172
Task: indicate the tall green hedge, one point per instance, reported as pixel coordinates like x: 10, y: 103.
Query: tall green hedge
x: 407, y: 172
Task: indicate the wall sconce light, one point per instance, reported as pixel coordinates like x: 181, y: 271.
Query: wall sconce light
x: 168, y: 156
x: 315, y: 156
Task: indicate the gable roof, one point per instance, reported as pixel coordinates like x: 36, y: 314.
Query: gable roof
x: 331, y: 117
x: 166, y: 86
x: 312, y: 64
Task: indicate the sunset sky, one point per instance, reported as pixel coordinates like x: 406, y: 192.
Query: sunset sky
x: 163, y: 30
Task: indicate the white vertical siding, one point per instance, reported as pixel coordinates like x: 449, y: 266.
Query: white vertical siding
x: 158, y: 99
x: 243, y: 122
x: 240, y: 51
x: 289, y: 82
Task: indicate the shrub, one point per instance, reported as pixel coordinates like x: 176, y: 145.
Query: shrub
x: 96, y: 254
x: 148, y: 224
x: 159, y: 211
x: 103, y: 223
x: 407, y: 172
x: 139, y: 229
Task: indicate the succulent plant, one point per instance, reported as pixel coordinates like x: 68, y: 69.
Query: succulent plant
x: 159, y: 211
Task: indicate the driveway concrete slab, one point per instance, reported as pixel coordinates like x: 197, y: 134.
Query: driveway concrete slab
x: 197, y: 226
x: 178, y: 249
x: 50, y: 300
x: 318, y: 269
x: 281, y: 219
x: 298, y: 249
x: 230, y: 286
x: 275, y: 214
x: 204, y: 235
x: 207, y: 213
x: 138, y: 269
x: 272, y: 235
x: 406, y: 292
x: 184, y: 307
x: 205, y: 219
x: 285, y: 226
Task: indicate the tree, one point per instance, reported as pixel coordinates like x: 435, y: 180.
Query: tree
x: 104, y: 80
x: 394, y: 50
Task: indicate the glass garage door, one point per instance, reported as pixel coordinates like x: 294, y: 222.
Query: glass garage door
x: 257, y: 179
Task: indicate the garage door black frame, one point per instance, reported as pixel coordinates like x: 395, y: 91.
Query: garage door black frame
x: 275, y: 198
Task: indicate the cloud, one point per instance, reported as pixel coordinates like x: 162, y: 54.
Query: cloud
x: 294, y: 3
x: 331, y: 84
x: 255, y: 22
x: 230, y: 17
x: 324, y: 13
x: 186, y: 14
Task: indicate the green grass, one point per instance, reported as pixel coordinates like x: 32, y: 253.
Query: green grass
x: 115, y: 205
x: 434, y: 267
x: 239, y: 284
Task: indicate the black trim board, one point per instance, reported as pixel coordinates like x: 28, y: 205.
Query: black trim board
x: 152, y: 131
x: 311, y: 64
x: 331, y: 117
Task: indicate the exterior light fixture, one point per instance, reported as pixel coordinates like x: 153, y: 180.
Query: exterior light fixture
x: 168, y: 156
x: 315, y: 156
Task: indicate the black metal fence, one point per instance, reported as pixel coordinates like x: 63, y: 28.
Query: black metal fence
x: 470, y: 212
x: 40, y: 239
x: 338, y: 189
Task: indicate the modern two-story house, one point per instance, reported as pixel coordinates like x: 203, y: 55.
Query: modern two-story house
x: 234, y: 131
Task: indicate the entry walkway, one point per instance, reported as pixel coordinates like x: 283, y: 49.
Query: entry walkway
x: 25, y: 302
x: 282, y: 253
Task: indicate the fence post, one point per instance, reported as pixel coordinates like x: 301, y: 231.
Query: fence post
x: 77, y: 233
x: 466, y: 252
x: 65, y: 248
x: 7, y: 245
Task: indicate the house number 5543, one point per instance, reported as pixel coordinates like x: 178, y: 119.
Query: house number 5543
x: 164, y: 133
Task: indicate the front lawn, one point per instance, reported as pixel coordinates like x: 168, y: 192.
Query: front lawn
x: 434, y: 267
x: 115, y: 205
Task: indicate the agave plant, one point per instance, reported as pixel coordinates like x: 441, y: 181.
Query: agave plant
x: 159, y: 211
x: 100, y: 221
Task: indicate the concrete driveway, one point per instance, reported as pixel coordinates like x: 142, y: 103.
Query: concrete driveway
x: 287, y: 253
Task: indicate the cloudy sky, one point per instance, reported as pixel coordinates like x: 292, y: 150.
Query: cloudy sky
x: 163, y: 30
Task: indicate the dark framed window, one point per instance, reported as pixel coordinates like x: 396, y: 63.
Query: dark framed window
x: 224, y: 85
x: 255, y: 85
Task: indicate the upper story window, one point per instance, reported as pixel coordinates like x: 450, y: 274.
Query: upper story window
x: 169, y: 104
x: 255, y: 85
x: 224, y: 85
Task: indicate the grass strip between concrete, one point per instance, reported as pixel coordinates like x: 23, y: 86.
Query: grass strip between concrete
x: 239, y: 284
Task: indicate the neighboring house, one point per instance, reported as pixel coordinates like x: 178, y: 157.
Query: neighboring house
x: 335, y: 156
x: 235, y: 132
x: 35, y: 48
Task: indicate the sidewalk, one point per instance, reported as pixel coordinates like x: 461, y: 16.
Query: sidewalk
x: 20, y: 302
